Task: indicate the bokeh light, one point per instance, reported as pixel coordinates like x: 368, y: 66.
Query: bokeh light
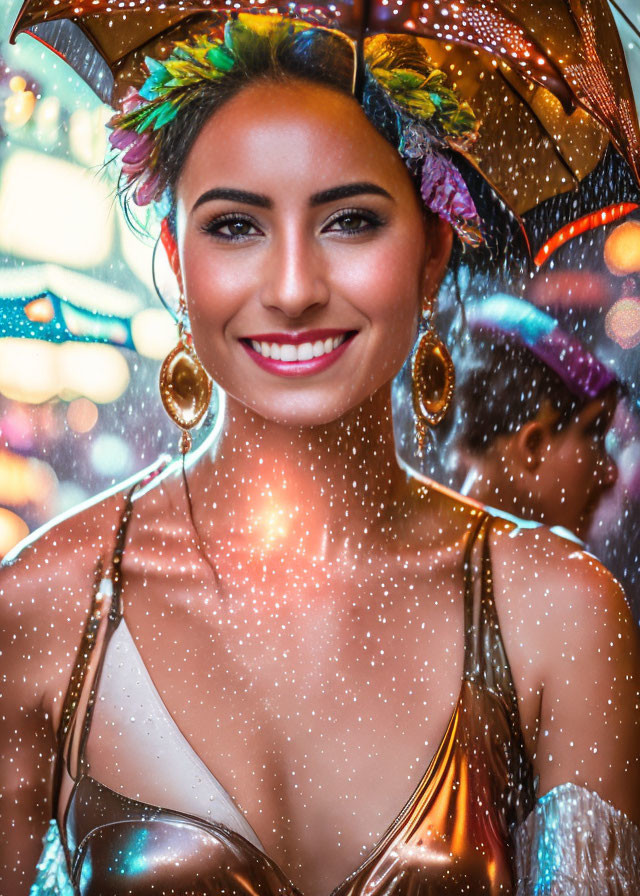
x: 154, y: 332
x: 622, y: 249
x: 82, y: 415
x: 622, y: 323
x: 12, y: 530
x: 19, y: 106
x: 52, y: 210
x: 111, y: 455
x: 33, y: 371
x: 24, y: 479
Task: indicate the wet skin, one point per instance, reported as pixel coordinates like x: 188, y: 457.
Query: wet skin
x: 316, y: 676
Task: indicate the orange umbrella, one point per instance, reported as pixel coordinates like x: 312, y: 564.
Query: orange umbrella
x: 547, y: 79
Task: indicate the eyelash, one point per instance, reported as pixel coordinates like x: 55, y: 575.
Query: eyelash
x: 213, y: 227
x: 373, y: 220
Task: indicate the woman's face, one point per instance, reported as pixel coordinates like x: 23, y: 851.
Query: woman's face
x: 578, y: 469
x: 302, y: 252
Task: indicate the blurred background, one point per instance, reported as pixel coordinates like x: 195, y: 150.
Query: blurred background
x: 82, y: 332
x: 76, y: 416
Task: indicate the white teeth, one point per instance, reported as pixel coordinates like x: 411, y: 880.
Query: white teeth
x: 305, y: 352
x: 288, y: 352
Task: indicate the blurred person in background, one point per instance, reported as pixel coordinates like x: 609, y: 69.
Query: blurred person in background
x: 614, y: 534
x: 533, y: 408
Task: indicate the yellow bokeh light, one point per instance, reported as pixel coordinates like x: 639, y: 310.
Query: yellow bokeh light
x: 154, y: 332
x: 34, y: 371
x: 28, y: 370
x: 622, y: 249
x: 12, y: 530
x: 18, y: 108
x: 51, y: 210
x: 24, y: 480
x: 17, y: 84
x: 98, y: 372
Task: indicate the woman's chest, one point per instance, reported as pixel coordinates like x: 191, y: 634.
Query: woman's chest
x: 317, y: 703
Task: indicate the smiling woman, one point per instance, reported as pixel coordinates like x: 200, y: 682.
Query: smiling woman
x: 341, y: 243
x: 294, y: 657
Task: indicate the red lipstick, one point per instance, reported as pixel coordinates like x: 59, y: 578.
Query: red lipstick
x: 298, y: 368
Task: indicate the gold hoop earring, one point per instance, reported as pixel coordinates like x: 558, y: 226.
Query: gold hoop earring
x: 185, y: 386
x: 432, y: 382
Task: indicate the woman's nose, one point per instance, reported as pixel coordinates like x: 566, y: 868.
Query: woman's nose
x: 295, y: 279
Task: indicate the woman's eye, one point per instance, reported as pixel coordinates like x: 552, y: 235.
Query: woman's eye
x: 353, y: 222
x: 231, y: 228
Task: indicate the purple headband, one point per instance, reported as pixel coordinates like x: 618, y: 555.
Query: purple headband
x: 581, y: 372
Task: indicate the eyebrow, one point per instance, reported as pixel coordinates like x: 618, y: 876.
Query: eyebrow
x: 345, y: 191
x: 242, y: 196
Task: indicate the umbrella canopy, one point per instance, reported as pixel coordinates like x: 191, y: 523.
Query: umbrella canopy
x: 547, y: 79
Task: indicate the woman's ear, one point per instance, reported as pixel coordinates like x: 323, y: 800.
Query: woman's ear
x: 440, y: 237
x: 529, y: 443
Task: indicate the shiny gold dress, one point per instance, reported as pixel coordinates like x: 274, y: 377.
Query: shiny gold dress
x: 470, y: 826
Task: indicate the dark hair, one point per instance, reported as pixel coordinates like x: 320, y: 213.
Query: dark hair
x: 500, y: 386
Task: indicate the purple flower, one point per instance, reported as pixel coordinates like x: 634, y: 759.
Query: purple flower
x: 444, y: 192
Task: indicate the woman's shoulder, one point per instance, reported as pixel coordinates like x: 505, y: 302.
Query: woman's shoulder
x: 53, y: 569
x: 540, y: 574
x: 552, y: 578
x: 46, y: 587
x: 563, y: 617
x: 571, y: 638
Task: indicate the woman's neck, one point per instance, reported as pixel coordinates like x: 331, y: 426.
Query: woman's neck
x: 301, y: 488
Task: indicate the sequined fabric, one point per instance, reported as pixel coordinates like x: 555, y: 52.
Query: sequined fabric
x: 52, y: 878
x: 576, y: 844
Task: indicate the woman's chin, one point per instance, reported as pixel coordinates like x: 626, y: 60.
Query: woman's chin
x: 298, y: 414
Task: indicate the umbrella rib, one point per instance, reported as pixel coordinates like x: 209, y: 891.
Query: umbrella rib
x: 542, y: 126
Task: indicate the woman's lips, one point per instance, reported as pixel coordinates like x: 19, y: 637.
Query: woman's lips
x: 290, y: 346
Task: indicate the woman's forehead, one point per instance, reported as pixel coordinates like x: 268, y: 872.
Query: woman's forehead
x: 296, y: 130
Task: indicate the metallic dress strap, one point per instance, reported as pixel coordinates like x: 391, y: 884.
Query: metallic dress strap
x: 79, y: 673
x: 485, y: 657
x: 52, y: 877
x: 105, y: 598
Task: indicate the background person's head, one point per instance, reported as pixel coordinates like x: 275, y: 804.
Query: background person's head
x: 533, y: 407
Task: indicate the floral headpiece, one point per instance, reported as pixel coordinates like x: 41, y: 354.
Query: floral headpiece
x: 431, y: 118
